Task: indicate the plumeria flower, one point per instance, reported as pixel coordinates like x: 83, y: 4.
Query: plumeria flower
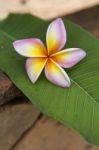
x: 52, y: 59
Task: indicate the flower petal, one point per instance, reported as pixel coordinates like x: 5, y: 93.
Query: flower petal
x: 30, y: 47
x: 56, y: 36
x: 34, y: 67
x: 55, y: 74
x: 69, y: 57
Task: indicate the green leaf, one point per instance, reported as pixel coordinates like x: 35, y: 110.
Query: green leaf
x: 78, y: 106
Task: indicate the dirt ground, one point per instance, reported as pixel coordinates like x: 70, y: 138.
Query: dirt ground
x: 45, y: 9
x: 51, y: 135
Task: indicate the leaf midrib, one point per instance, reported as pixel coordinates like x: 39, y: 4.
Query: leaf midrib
x: 13, y: 38
x: 8, y: 35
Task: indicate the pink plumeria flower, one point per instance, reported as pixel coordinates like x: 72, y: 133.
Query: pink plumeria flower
x: 51, y: 59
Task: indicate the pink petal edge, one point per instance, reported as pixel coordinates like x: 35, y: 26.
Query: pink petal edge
x: 69, y: 57
x: 55, y: 74
x: 56, y: 31
x: 31, y: 47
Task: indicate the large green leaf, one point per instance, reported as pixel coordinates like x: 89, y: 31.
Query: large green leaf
x: 78, y: 106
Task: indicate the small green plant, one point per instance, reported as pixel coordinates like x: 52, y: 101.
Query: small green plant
x: 78, y: 106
